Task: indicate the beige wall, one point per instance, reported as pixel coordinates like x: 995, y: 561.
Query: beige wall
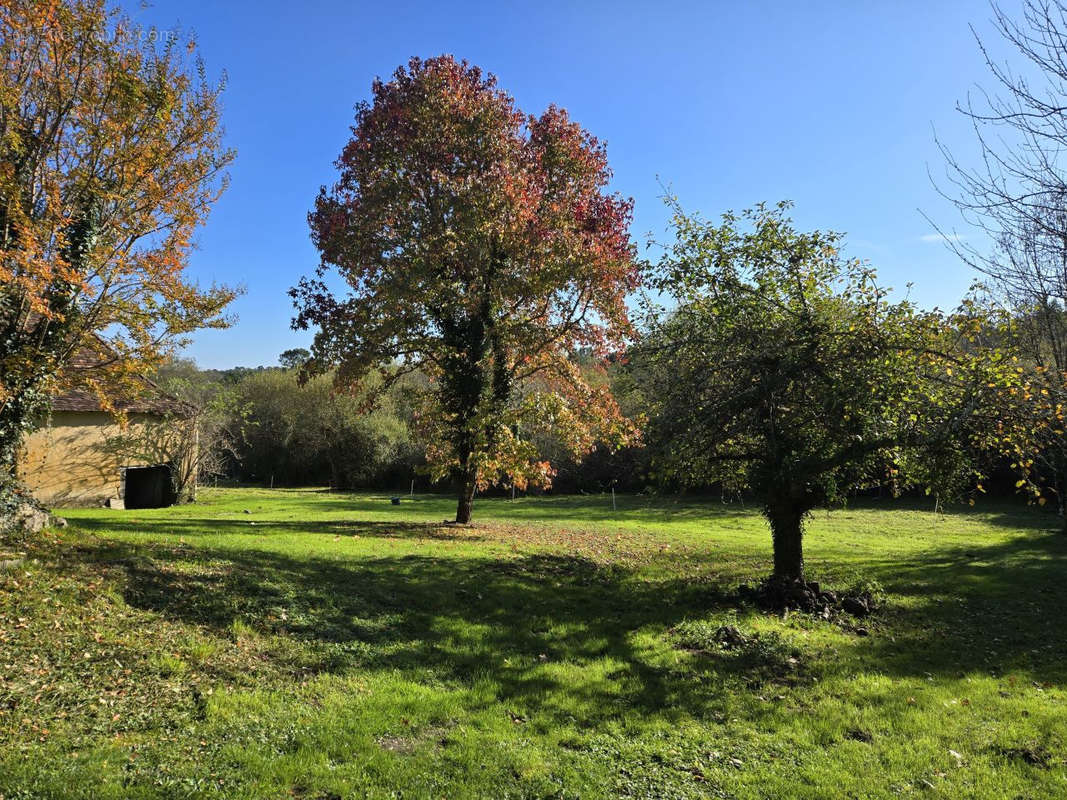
x: 73, y: 461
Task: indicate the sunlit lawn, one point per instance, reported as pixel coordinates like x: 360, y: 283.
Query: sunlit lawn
x: 274, y: 644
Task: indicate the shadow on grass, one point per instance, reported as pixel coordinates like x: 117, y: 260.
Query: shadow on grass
x: 525, y: 623
x: 194, y: 528
x: 528, y: 622
x: 982, y: 608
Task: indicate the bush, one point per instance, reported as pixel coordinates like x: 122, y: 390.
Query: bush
x: 311, y: 434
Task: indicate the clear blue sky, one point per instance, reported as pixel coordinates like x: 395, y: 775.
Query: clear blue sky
x: 832, y: 105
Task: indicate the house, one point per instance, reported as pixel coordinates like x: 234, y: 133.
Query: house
x: 83, y: 456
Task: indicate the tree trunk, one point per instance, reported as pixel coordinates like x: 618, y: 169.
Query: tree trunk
x: 194, y: 466
x: 1061, y: 506
x: 13, y: 428
x: 9, y: 447
x: 466, y: 498
x: 787, y: 530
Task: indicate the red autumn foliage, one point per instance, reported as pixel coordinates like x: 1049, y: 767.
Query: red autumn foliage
x: 481, y: 247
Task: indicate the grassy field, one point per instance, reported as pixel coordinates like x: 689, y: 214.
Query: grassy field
x: 281, y: 644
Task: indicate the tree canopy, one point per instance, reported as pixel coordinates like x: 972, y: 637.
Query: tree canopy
x: 294, y: 357
x: 480, y: 246
x: 785, y: 369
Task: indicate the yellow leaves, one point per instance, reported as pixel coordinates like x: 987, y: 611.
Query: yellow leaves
x: 107, y: 153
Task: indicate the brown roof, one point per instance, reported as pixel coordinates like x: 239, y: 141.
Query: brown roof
x: 152, y: 400
x: 140, y: 395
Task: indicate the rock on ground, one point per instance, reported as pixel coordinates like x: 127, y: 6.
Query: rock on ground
x: 29, y: 518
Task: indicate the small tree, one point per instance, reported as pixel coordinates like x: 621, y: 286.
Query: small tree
x: 294, y: 358
x: 785, y: 370
x: 172, y: 439
x: 480, y: 247
x: 110, y: 158
x: 203, y: 434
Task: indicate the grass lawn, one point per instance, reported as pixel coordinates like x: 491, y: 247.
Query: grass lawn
x: 278, y: 644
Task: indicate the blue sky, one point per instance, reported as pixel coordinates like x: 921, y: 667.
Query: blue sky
x: 830, y: 104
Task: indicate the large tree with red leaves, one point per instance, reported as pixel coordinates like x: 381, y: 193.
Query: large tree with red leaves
x: 479, y: 246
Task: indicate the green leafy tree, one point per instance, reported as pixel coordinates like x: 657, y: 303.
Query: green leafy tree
x: 294, y: 358
x: 785, y: 370
x: 480, y: 247
x: 300, y: 434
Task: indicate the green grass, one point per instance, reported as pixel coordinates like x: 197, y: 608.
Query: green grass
x: 326, y: 646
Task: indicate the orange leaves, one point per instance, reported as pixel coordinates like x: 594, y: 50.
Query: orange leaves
x: 110, y: 157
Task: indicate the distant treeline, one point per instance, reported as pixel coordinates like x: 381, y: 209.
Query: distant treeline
x: 268, y: 428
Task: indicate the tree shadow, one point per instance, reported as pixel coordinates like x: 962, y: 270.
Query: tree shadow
x: 981, y: 608
x: 528, y: 622
x: 525, y: 622
x: 1019, y: 516
x: 194, y: 528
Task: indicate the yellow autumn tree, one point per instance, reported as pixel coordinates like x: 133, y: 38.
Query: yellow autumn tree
x: 111, y: 156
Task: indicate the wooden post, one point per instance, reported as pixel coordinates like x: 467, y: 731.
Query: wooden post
x: 613, y: 508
